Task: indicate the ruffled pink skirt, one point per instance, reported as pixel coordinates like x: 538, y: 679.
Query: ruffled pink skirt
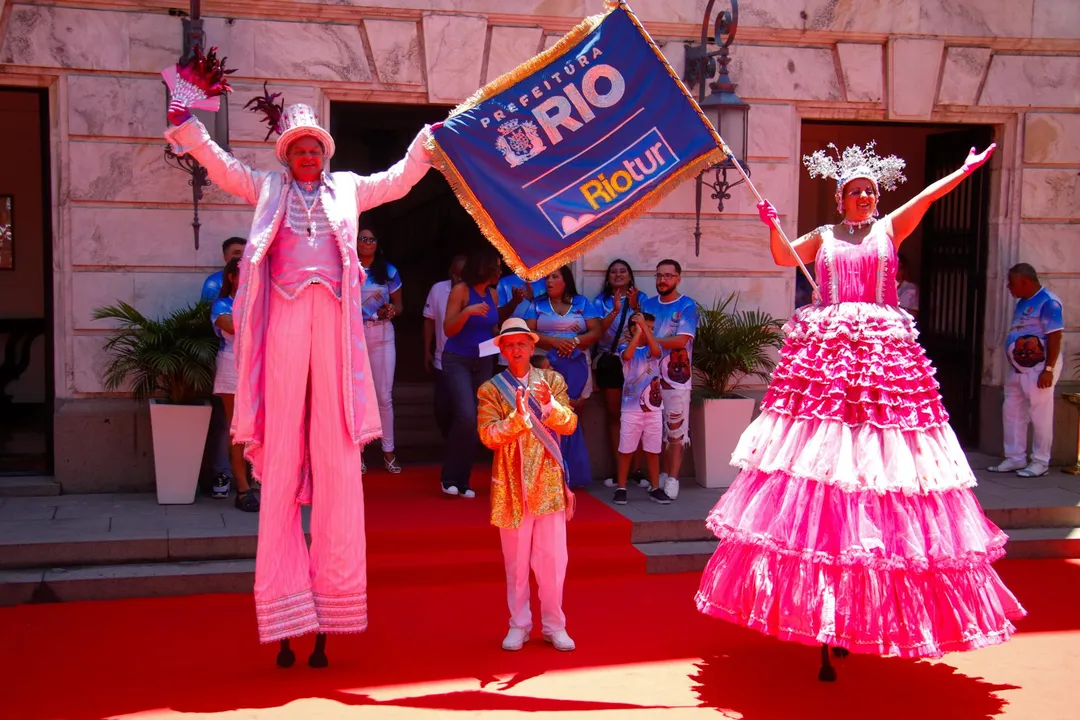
x: 852, y: 522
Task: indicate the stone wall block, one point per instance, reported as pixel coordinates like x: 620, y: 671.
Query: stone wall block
x: 1052, y: 138
x: 785, y: 73
x: 965, y: 68
x: 120, y: 172
x: 1052, y: 247
x: 510, y: 47
x: 861, y: 65
x: 154, y: 294
x: 396, y: 48
x: 1032, y: 81
x: 47, y: 36
x: 1050, y: 194
x: 117, y: 107
x: 914, y: 66
x: 454, y: 52
x: 119, y: 236
x: 310, y: 51
x: 732, y: 245
x: 1056, y: 19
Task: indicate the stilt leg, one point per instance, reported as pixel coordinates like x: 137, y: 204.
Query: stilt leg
x: 827, y: 672
x: 318, y: 655
x: 285, y: 656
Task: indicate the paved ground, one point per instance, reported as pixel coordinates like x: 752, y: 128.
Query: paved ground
x: 130, y: 516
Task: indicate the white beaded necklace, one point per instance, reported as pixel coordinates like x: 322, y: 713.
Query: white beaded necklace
x: 852, y: 225
x: 301, y: 196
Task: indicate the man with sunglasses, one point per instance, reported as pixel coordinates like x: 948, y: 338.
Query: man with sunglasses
x: 676, y: 324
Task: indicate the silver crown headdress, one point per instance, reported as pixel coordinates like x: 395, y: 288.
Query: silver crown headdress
x: 856, y: 162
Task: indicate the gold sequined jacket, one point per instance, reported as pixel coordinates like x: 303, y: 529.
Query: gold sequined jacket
x: 523, y: 471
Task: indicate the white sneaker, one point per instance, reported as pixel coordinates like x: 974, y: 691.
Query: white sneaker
x: 1007, y: 466
x: 643, y: 482
x: 515, y: 639
x: 560, y: 640
x: 1034, y: 470
x: 450, y: 490
x: 610, y: 482
x: 671, y: 487
x: 468, y: 494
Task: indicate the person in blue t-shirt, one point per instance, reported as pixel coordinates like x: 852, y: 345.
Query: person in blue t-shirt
x: 221, y: 317
x: 1033, y: 346
x: 218, y: 441
x: 641, y: 418
x: 231, y: 248
x: 519, y: 294
x: 472, y: 317
x: 676, y: 325
x: 616, y: 303
x: 380, y: 296
x: 567, y: 324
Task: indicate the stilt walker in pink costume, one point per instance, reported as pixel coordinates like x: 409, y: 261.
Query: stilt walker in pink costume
x: 305, y: 400
x: 852, y: 523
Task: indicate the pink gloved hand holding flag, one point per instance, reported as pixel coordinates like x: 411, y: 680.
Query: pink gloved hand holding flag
x: 196, y: 84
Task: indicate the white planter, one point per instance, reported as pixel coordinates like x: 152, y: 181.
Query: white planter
x: 179, y: 433
x: 715, y: 429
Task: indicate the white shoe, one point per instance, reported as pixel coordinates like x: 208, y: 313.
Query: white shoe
x: 515, y: 639
x: 1034, y: 470
x: 1007, y: 466
x: 644, y: 483
x: 610, y: 482
x: 671, y: 487
x: 468, y: 494
x: 560, y: 640
x: 450, y: 490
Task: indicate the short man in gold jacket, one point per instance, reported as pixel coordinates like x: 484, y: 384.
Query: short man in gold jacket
x: 522, y: 412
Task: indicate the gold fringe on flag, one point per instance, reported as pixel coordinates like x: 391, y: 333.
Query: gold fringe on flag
x: 484, y: 221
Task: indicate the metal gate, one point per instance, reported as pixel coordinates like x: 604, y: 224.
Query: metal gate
x: 952, y: 304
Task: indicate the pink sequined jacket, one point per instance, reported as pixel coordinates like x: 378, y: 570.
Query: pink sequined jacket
x: 344, y: 196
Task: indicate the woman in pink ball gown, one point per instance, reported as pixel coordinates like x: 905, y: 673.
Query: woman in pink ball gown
x: 852, y: 523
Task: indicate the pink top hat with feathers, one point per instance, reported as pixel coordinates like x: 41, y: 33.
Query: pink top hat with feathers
x: 291, y: 123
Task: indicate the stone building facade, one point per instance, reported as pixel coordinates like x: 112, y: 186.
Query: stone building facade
x: 120, y: 218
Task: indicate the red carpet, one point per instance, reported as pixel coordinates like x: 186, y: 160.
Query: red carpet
x: 433, y: 647
x: 417, y: 535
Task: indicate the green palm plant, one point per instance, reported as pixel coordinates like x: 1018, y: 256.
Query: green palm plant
x: 171, y: 357
x: 732, y: 345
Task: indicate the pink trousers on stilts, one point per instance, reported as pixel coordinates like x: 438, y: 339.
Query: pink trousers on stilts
x: 298, y: 592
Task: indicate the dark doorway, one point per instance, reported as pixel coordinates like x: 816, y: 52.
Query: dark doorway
x: 945, y: 256
x: 419, y: 234
x: 26, y: 331
x: 953, y: 301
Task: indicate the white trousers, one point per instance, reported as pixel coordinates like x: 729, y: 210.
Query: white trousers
x: 1026, y: 402
x: 383, y: 356
x: 540, y: 544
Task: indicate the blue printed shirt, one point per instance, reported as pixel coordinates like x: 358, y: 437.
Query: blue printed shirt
x: 1034, y: 319
x: 374, y: 295
x: 642, y: 391
x: 506, y: 287
x: 222, y: 306
x: 604, y: 304
x: 551, y: 323
x: 211, y: 287
x: 678, y: 317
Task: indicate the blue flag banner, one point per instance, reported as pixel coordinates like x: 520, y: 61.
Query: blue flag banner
x: 568, y: 148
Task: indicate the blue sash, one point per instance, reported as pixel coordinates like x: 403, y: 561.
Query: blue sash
x: 508, y: 385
